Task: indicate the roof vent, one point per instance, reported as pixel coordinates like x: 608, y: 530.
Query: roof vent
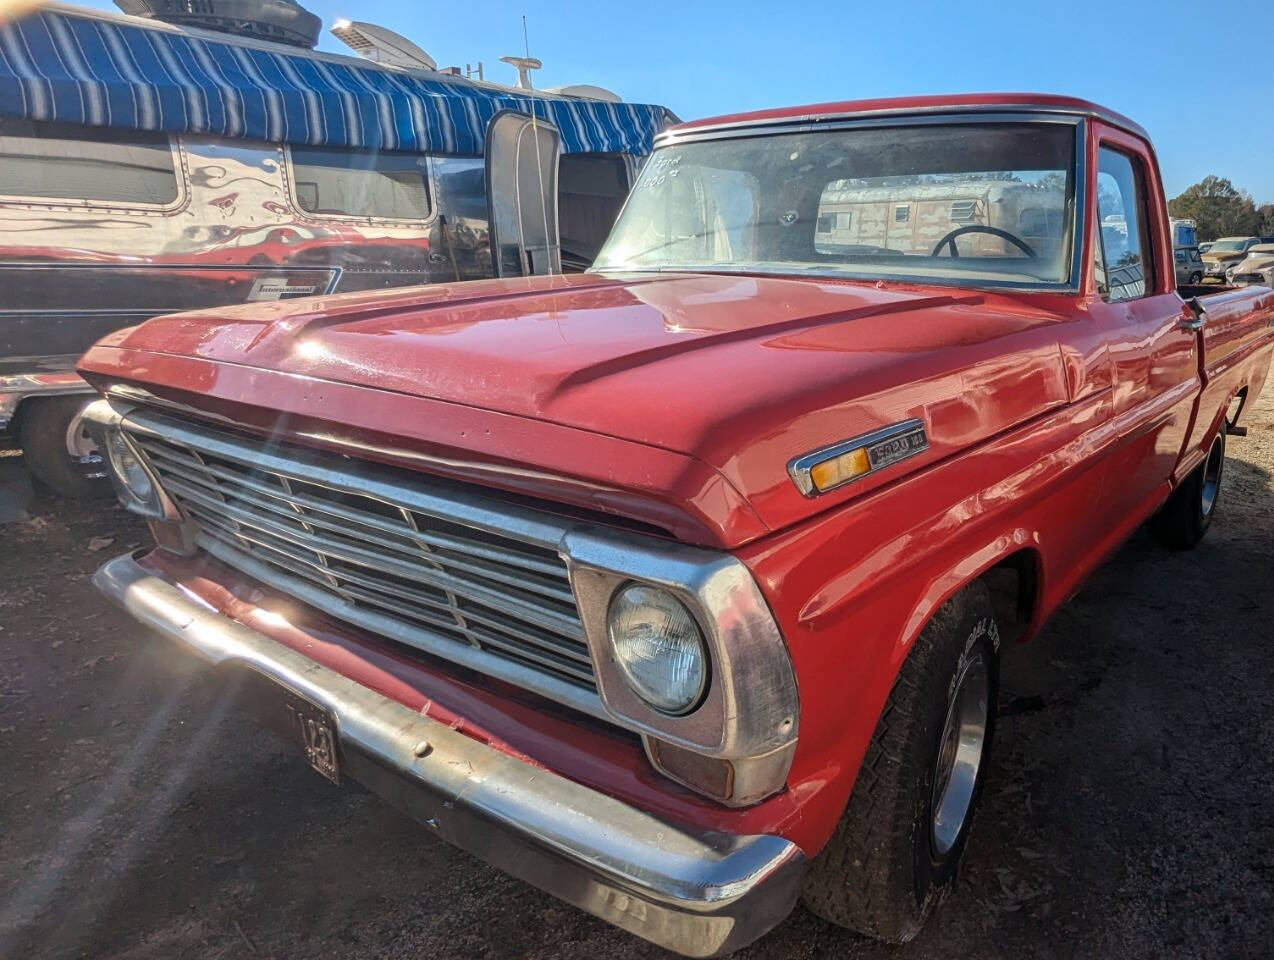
x: 282, y: 21
x: 586, y: 91
x: 382, y: 45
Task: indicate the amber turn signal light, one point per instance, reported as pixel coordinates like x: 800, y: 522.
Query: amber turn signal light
x: 710, y: 776
x: 840, y: 469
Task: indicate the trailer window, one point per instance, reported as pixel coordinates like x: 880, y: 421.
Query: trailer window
x: 361, y: 183
x: 1122, y: 261
x: 66, y: 162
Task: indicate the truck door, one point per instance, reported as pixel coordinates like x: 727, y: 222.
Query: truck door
x: 522, y: 157
x: 1153, y: 353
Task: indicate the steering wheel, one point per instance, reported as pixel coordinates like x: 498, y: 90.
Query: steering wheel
x: 950, y: 239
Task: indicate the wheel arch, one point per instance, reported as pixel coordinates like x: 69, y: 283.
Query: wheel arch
x: 22, y: 409
x: 1010, y: 564
x: 1012, y: 567
x: 850, y: 641
x: 1235, y: 406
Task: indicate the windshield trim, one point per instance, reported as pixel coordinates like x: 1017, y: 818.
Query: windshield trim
x: 1077, y: 191
x: 899, y: 279
x: 899, y: 116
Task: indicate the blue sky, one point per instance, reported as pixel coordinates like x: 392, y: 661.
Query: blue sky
x: 1160, y: 63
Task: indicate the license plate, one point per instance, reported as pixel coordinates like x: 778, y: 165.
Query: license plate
x: 317, y: 733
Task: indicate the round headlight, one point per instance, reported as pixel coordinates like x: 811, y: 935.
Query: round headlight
x: 127, y: 468
x: 658, y: 646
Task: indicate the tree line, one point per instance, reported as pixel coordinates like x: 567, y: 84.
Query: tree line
x: 1221, y: 210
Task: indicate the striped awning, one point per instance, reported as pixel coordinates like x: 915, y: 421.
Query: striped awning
x: 103, y: 70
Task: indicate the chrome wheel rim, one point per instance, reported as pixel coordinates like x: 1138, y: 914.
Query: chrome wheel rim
x: 79, y: 443
x: 960, y: 754
x: 1212, y: 476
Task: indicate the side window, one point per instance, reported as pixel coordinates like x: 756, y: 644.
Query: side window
x: 1122, y: 253
x: 1180, y: 256
x: 834, y: 228
x: 361, y: 183
x: 66, y: 162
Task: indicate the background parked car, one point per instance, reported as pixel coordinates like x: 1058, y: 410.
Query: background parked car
x: 1256, y: 268
x: 1189, y: 265
x: 1226, y: 252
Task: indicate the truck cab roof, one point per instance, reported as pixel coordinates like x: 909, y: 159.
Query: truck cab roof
x: 942, y: 103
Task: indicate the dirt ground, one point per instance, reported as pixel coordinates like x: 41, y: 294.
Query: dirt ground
x: 1128, y: 814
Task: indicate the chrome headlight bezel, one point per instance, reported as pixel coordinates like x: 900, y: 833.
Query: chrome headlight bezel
x: 104, y: 421
x: 125, y: 466
x: 749, y: 710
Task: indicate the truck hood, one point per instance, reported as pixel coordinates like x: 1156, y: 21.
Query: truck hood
x: 742, y: 373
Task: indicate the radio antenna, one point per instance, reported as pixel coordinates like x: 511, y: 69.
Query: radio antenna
x: 539, y: 164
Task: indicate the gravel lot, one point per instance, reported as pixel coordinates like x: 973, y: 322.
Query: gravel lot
x: 1128, y: 813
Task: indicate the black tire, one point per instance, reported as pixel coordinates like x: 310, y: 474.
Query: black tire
x: 42, y: 434
x: 1196, y: 279
x: 1183, y: 520
x: 882, y: 873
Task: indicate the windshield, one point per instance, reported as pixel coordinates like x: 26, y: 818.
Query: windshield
x: 1227, y: 246
x: 972, y: 202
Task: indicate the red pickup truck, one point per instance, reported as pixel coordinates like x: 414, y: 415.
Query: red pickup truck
x: 677, y: 588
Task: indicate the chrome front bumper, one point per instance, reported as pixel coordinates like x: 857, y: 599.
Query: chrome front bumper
x: 701, y: 894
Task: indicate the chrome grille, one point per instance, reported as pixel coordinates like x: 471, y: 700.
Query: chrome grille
x: 434, y: 565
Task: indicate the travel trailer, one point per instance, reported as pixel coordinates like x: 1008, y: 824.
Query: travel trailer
x: 973, y: 215
x: 152, y: 167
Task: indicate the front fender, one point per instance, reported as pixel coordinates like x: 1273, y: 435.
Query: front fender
x: 853, y: 587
